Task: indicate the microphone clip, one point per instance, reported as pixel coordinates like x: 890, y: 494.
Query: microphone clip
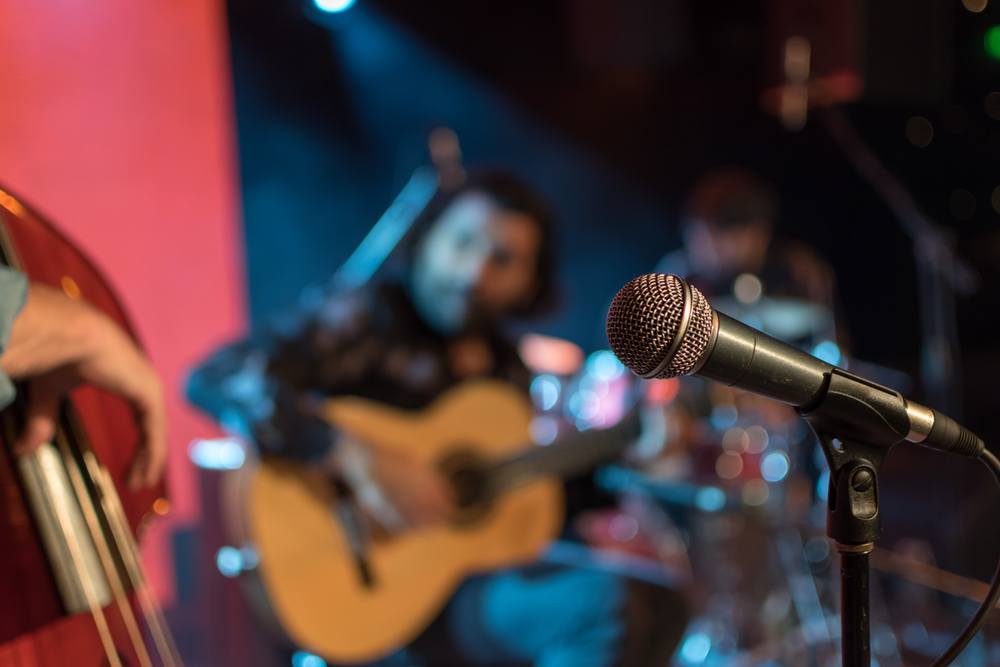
x: 856, y: 422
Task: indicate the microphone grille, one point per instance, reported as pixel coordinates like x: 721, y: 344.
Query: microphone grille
x: 645, y: 320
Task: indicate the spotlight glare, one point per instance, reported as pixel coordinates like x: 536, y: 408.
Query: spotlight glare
x: 710, y: 499
x: 774, y: 466
x: 696, y: 648
x: 306, y: 659
x: 333, y: 6
x: 828, y: 351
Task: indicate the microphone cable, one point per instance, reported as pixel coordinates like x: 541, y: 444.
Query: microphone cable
x: 989, y: 602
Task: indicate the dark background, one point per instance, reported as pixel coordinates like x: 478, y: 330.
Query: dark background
x: 613, y: 110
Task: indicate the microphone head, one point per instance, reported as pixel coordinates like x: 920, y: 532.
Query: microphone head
x: 660, y: 326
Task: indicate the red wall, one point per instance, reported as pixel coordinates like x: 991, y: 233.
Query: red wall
x: 116, y: 122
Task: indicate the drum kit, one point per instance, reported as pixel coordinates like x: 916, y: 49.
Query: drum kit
x: 727, y: 492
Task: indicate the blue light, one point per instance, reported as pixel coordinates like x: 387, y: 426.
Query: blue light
x: 304, y: 659
x: 229, y: 560
x: 217, y: 453
x: 823, y: 486
x: 827, y: 351
x: 723, y: 417
x: 544, y: 430
x: 774, y: 467
x: 584, y: 406
x: 545, y: 390
x: 695, y: 648
x: 710, y: 499
x: 604, y: 365
x: 250, y: 558
x: 333, y: 6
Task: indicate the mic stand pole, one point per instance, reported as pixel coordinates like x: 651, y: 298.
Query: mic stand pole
x: 941, y: 273
x: 857, y: 422
x: 852, y: 524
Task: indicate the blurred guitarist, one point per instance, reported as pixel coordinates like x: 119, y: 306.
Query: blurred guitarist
x: 479, y: 257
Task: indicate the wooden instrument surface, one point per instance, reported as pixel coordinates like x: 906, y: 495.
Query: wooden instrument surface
x: 34, y: 629
x: 311, y: 580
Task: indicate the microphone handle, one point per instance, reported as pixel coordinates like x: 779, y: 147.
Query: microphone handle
x: 742, y: 357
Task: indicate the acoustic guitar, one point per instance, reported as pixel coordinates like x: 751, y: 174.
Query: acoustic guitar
x: 511, y: 508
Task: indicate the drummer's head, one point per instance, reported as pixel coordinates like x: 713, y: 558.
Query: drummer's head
x: 728, y: 221
x: 482, y: 253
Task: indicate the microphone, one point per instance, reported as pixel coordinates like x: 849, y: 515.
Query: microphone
x: 659, y: 326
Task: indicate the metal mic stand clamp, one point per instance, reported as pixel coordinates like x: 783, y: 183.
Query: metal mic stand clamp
x: 856, y: 421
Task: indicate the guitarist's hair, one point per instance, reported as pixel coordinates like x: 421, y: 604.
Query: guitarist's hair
x: 514, y: 194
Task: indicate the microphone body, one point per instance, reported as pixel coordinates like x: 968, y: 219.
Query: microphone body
x: 740, y: 356
x: 660, y: 326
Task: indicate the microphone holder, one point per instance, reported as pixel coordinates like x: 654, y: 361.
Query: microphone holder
x: 857, y: 422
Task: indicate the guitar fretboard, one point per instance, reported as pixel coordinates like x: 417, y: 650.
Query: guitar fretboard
x: 564, y: 458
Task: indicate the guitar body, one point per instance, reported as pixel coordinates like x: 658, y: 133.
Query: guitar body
x: 306, y: 568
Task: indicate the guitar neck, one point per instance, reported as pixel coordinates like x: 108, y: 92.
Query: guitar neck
x: 564, y: 458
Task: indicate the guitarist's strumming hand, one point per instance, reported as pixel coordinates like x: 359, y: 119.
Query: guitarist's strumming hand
x: 396, y: 491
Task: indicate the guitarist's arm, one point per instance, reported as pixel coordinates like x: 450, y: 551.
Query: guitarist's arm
x: 259, y: 387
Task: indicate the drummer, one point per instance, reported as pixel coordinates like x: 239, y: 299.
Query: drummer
x: 730, y: 252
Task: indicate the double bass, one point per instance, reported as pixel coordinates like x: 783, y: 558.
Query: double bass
x: 71, y: 581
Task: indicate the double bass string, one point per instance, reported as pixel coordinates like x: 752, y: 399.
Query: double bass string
x: 100, y: 541
x: 129, y: 551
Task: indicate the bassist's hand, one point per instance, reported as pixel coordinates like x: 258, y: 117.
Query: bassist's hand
x: 58, y: 343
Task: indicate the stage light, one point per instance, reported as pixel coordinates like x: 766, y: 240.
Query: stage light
x: 758, y: 438
x: 817, y: 550
x: 710, y: 499
x: 696, y: 648
x: 827, y: 351
x: 334, y: 6
x: 545, y: 389
x: 604, y: 365
x: 544, y: 430
x: 747, y: 288
x: 735, y: 440
x: 229, y: 560
x: 756, y: 492
x: 729, y: 465
x: 774, y: 467
x: 723, y: 417
x: 217, y: 453
x: 992, y: 42
x: 823, y: 486
x: 304, y: 659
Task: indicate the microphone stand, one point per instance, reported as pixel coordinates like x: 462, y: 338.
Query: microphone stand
x: 941, y: 274
x: 857, y: 422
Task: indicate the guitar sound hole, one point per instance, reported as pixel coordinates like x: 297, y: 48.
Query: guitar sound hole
x: 469, y: 480
x: 468, y: 485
